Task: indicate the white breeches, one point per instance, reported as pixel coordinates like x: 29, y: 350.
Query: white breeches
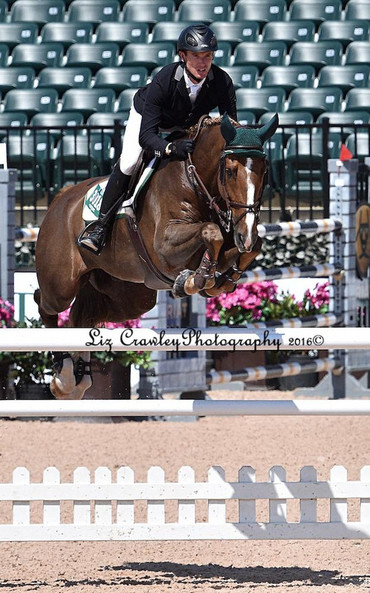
x: 131, y: 148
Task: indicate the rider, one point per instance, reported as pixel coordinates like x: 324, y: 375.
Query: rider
x: 179, y: 94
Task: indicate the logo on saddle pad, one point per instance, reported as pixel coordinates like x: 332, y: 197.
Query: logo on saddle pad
x: 93, y: 198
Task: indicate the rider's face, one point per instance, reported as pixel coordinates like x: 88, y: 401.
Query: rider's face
x: 197, y: 63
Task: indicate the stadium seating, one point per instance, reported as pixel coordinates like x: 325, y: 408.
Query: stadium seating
x: 125, y: 100
x: 93, y: 11
x: 358, y: 100
x: 16, y: 78
x: 358, y: 144
x: 319, y: 54
x: 3, y: 10
x: 63, y: 79
x: 344, y: 31
x: 315, y: 101
x: 243, y: 76
x: 14, y: 33
x: 88, y: 101
x: 289, y: 77
x: 357, y: 9
x: 236, y: 32
x: 346, y: 77
x: 149, y: 55
x: 31, y: 101
x: 64, y: 122
x: 319, y: 11
x: 261, y: 100
x: 294, y: 118
x: 358, y: 52
x: 245, y: 117
x: 289, y: 32
x: 13, y: 120
x: 148, y: 11
x: 342, y: 118
x: 270, y: 53
x: 4, y: 54
x: 260, y: 11
x: 37, y: 56
x: 121, y: 78
x: 167, y: 31
x: 122, y: 33
x: 222, y: 54
x: 67, y: 33
x: 93, y: 56
x: 40, y: 12
x: 203, y: 11
x: 107, y: 119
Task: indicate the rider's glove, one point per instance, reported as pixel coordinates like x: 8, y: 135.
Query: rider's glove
x: 180, y: 150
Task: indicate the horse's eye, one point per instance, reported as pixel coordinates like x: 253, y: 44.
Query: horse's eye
x: 229, y: 173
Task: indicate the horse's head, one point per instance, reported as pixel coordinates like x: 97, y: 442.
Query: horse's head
x: 241, y: 179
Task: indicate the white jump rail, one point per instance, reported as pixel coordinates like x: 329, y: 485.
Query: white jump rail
x: 99, y: 339
x: 69, y: 408
x: 113, y: 515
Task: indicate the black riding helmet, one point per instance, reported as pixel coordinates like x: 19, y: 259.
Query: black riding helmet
x: 197, y: 38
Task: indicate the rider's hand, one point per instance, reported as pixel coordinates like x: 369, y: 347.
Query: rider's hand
x: 180, y: 150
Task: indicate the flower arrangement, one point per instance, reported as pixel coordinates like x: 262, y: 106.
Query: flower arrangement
x: 125, y: 358
x: 261, y: 301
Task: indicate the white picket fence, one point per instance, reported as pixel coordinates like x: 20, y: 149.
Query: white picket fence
x: 105, y: 510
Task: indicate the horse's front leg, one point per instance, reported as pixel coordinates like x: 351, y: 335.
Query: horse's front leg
x: 190, y: 282
x: 238, y: 263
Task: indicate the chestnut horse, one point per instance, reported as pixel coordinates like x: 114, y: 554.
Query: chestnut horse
x: 197, y: 220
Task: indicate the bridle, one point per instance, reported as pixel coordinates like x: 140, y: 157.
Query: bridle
x: 226, y: 216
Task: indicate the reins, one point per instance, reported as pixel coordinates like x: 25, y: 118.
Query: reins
x: 225, y: 217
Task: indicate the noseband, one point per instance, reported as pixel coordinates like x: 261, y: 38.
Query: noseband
x: 226, y: 216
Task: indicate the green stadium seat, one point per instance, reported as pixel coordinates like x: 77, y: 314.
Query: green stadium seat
x: 319, y: 11
x: 93, y: 11
x: 289, y: 77
x: 14, y: 33
x: 304, y: 164
x: 289, y: 32
x: 149, y: 55
x: 10, y: 122
x: 222, y: 55
x: 81, y: 157
x: 30, y: 155
x: 106, y: 120
x: 67, y: 33
x: 260, y: 100
x: 315, y: 101
x: 293, y: 118
x: 4, y: 54
x: 261, y: 11
x: 236, y: 32
x: 40, y: 12
x: 358, y: 52
x: 92, y: 55
x: 168, y: 31
x: 359, y: 144
x: 125, y: 100
x: 246, y: 118
x: 203, y: 11
x: 347, y: 77
x: 274, y: 149
x: 63, y: 79
x: 319, y: 54
x: 148, y: 11
x: 88, y: 101
x: 57, y: 124
x: 243, y: 76
x: 122, y: 33
x: 357, y: 9
x: 16, y: 78
x: 37, y: 56
x: 346, y: 120
x: 270, y: 53
x: 124, y: 77
x: 358, y: 100
x: 31, y: 101
x: 344, y: 31
x: 3, y: 10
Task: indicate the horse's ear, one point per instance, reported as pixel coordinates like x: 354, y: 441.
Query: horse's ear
x: 268, y: 129
x: 227, y: 129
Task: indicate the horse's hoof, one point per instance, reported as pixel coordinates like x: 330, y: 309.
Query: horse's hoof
x: 178, y: 290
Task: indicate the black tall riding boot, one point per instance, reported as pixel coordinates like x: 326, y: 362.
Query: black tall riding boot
x: 116, y: 187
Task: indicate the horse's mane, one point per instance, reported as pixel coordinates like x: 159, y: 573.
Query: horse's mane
x: 209, y: 122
